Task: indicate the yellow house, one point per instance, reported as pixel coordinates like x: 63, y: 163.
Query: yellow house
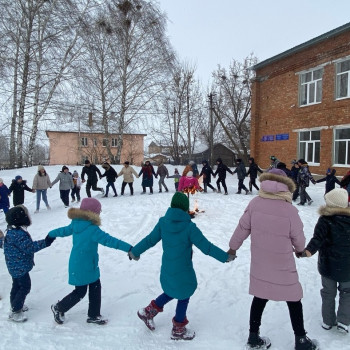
x: 72, y: 147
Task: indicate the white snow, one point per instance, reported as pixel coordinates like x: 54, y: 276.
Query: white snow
x: 218, y: 311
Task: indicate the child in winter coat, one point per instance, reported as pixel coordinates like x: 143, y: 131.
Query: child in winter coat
x: 77, y: 186
x: 4, y: 197
x: 330, y: 179
x: 207, y: 172
x: 241, y: 174
x: 66, y: 184
x: 331, y: 240
x: 275, y: 230
x: 221, y: 170
x: 253, y: 174
x: 84, y: 272
x: 111, y: 175
x: 18, y: 186
x: 189, y: 183
x: 177, y: 277
x: 19, y: 250
x: 176, y: 178
x: 41, y: 183
x: 304, y: 178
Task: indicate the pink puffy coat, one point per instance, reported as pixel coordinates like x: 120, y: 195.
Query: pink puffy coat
x: 276, y: 230
x: 188, y: 181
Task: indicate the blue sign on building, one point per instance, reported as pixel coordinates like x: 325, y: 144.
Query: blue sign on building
x: 267, y: 138
x: 282, y: 137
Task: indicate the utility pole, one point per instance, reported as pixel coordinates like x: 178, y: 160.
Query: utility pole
x: 211, y: 130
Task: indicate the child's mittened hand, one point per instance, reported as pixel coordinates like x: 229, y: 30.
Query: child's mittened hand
x: 132, y: 256
x: 231, y: 257
x: 49, y: 240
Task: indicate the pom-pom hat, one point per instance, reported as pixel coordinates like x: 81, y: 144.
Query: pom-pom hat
x: 337, y: 198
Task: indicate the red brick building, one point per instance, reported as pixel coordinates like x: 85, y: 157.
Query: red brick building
x: 301, y: 104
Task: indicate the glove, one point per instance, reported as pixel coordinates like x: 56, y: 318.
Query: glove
x: 132, y: 256
x: 301, y: 254
x: 231, y: 257
x: 49, y: 240
x: 314, y: 182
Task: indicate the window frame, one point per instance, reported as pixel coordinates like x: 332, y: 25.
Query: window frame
x: 84, y: 141
x: 347, y: 147
x: 104, y: 142
x: 308, y: 84
x: 114, y: 142
x: 307, y: 142
x: 336, y: 79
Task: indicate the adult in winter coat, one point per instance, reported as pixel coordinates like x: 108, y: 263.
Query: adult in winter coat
x: 77, y: 186
x: 4, y: 197
x: 111, y: 175
x: 128, y: 173
x: 274, y: 162
x: 241, y: 174
x: 84, y: 272
x: 162, y: 172
x: 206, y: 172
x: 330, y: 180
x: 253, y: 173
x: 177, y: 276
x: 19, y: 250
x: 331, y: 240
x: 147, y: 172
x: 221, y: 171
x: 275, y: 231
x: 194, y: 168
x: 304, y: 178
x: 294, y: 176
x: 41, y: 183
x: 18, y: 186
x: 66, y: 184
x: 91, y: 171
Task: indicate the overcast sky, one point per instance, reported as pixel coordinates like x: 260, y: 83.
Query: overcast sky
x: 211, y: 32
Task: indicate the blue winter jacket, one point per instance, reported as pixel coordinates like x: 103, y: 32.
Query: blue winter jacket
x: 4, y: 197
x: 19, y: 250
x: 83, y: 261
x: 178, y: 233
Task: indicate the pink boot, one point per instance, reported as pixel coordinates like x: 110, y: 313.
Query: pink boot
x: 180, y: 331
x: 147, y: 314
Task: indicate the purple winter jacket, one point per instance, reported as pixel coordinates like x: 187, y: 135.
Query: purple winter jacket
x: 276, y: 231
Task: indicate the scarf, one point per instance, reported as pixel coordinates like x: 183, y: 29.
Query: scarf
x: 284, y: 196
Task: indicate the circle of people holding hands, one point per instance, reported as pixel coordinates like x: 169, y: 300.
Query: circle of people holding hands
x: 270, y: 220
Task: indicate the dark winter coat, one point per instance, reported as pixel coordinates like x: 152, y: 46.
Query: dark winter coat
x: 147, y: 172
x: 332, y: 241
x: 304, y: 176
x: 91, y: 172
x: 331, y: 180
x: 194, y: 169
x: 294, y: 173
x: 206, y: 171
x: 241, y: 171
x: 4, y: 197
x: 19, y: 250
x: 253, y: 170
x: 110, y: 174
x: 18, y: 191
x: 221, y: 171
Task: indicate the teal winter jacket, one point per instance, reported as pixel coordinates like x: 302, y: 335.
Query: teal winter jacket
x: 178, y: 233
x: 83, y: 261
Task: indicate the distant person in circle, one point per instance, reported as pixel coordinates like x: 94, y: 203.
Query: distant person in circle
x: 91, y: 171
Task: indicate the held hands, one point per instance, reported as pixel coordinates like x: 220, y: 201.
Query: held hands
x: 83, y: 181
x: 231, y: 255
x: 132, y: 256
x: 49, y: 240
x: 304, y: 254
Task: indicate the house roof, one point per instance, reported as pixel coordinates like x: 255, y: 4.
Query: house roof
x: 305, y: 45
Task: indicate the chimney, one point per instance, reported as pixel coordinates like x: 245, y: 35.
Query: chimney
x: 90, y: 119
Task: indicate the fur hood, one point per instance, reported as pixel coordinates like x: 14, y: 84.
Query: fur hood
x: 330, y: 211
x: 75, y: 213
x: 282, y: 179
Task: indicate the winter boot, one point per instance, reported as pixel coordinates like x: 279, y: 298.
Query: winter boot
x: 166, y: 189
x: 17, y: 316
x: 238, y: 192
x: 160, y: 190
x: 304, y: 343
x: 58, y: 316
x: 342, y: 328
x: 257, y: 342
x: 97, y: 320
x: 148, y: 313
x: 180, y: 331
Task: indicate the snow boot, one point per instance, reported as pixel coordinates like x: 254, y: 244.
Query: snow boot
x: 166, y: 189
x: 17, y: 316
x: 257, y: 342
x: 97, y: 320
x: 58, y: 316
x: 238, y: 192
x: 180, y: 331
x: 148, y: 313
x: 160, y: 190
x: 305, y: 343
x: 342, y: 328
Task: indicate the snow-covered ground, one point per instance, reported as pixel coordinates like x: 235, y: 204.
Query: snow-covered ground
x: 218, y: 311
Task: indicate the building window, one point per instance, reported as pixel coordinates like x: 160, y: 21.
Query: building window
x: 342, y: 146
x: 104, y: 143
x: 309, y: 146
x: 342, y: 80
x: 114, y: 142
x: 95, y: 142
x: 84, y: 141
x: 311, y: 87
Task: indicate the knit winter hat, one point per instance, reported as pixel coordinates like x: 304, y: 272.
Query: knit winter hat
x: 64, y: 168
x: 189, y: 174
x: 40, y: 167
x: 87, y: 161
x: 337, y: 198
x: 18, y: 177
x: 75, y: 173
x: 180, y: 201
x: 126, y: 162
x: 277, y: 172
x: 18, y: 216
x: 91, y: 204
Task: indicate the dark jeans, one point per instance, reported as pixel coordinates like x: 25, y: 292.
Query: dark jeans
x: 150, y: 189
x: 241, y: 185
x: 176, y: 186
x: 181, y: 307
x: 79, y: 293
x: 111, y: 184
x: 64, y: 195
x: 296, y: 192
x: 130, y: 186
x: 20, y: 289
x: 304, y: 196
x: 94, y: 187
x: 208, y: 184
x: 223, y: 182
x: 76, y: 192
x: 252, y: 183
x: 295, y: 313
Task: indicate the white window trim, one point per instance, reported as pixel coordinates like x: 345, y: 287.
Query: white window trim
x: 315, y: 82
x: 335, y: 128
x: 335, y: 80
x: 84, y: 144
x: 311, y: 129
